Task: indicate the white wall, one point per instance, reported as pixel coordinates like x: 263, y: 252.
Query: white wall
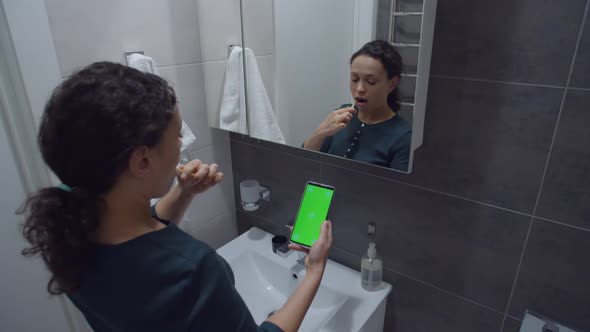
x: 85, y: 31
x: 29, y: 70
x: 313, y: 43
x: 219, y: 27
x: 25, y: 304
x: 31, y: 38
x: 258, y: 20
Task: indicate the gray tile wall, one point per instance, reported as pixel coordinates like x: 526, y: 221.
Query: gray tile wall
x: 495, y: 218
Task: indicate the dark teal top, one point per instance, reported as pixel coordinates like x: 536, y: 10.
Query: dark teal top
x: 386, y: 143
x: 162, y: 281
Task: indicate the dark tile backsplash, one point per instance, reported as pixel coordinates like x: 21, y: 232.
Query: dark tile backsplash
x: 555, y: 275
x: 469, y: 249
x: 566, y: 191
x: 452, y: 233
x: 413, y: 306
x: 580, y: 77
x: 526, y: 41
x: 486, y: 141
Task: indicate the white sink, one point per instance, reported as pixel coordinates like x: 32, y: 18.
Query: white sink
x: 265, y: 281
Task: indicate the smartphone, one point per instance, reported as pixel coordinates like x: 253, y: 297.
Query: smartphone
x: 313, y: 210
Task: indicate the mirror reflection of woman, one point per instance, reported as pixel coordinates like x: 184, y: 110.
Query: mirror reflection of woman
x: 370, y: 130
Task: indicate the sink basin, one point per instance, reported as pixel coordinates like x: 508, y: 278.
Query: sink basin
x: 265, y: 281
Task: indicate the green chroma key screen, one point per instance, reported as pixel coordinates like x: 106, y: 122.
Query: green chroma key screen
x: 312, y: 213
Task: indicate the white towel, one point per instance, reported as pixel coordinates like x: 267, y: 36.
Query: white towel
x: 142, y: 63
x: 232, y: 115
x: 147, y: 65
x: 262, y: 121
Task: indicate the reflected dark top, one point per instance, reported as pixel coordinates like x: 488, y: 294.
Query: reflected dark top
x: 386, y: 143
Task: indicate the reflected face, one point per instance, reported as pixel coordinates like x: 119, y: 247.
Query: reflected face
x: 369, y: 84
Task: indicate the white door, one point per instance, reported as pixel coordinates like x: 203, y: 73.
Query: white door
x: 25, y: 305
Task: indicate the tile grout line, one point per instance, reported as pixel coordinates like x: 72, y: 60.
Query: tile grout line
x: 192, y: 63
x: 446, y: 291
x: 526, y: 240
x: 187, y: 151
x: 210, y: 221
x: 474, y: 79
x: 442, y: 193
x: 264, y: 219
x: 571, y: 70
x: 578, y: 89
x: 429, y: 284
x: 515, y: 318
x: 563, y: 224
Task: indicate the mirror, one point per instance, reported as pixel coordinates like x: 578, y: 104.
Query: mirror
x: 343, y: 77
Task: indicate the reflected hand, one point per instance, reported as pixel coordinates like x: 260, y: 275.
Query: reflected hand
x: 196, y: 177
x: 316, y: 258
x: 336, y: 121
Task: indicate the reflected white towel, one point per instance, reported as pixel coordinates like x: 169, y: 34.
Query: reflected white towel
x: 232, y: 115
x: 142, y: 63
x: 147, y: 65
x: 262, y: 121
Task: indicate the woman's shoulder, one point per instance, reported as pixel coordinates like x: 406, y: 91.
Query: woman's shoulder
x: 402, y: 124
x: 396, y: 126
x: 174, y: 242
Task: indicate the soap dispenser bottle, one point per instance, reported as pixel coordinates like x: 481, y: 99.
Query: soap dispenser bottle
x: 371, y: 269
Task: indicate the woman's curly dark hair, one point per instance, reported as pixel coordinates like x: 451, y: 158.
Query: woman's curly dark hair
x: 91, y: 125
x: 391, y: 61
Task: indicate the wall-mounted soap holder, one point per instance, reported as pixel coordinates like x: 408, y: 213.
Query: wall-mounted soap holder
x: 251, y: 192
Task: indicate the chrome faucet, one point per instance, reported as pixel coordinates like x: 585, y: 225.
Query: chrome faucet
x: 301, y: 258
x: 300, y: 265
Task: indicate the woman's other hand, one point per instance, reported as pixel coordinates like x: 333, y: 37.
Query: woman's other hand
x: 336, y: 121
x: 196, y: 177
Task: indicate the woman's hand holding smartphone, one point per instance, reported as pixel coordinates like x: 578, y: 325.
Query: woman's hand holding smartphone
x: 312, y: 233
x: 317, y: 256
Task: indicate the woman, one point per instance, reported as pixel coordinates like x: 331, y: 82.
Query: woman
x: 372, y: 131
x: 112, y: 136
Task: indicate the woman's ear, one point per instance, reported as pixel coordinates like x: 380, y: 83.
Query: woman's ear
x: 140, y: 163
x: 393, y: 83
